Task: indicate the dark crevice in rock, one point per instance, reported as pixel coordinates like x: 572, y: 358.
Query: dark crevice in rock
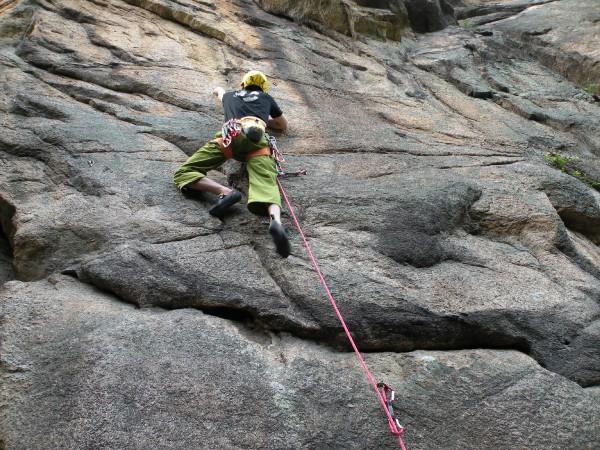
x: 466, y: 335
x: 496, y: 163
x: 413, y: 332
x: 6, y: 257
x: 576, y: 221
x: 339, y: 60
x: 417, y: 327
x: 406, y: 327
x: 518, y: 345
x: 430, y: 15
x: 184, y: 238
x: 566, y: 245
x: 7, y: 211
x: 243, y: 319
x: 6, y: 232
x: 70, y: 272
x: 576, y: 204
x: 380, y: 150
x: 235, y: 315
x: 246, y: 319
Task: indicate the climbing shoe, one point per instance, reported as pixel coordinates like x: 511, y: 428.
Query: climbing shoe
x: 280, y: 238
x: 224, y: 203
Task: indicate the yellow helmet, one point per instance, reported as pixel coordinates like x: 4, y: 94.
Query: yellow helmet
x: 256, y: 78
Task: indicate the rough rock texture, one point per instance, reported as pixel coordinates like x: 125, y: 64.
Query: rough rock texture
x: 478, y: 9
x: 388, y: 19
x: 382, y: 19
x: 430, y: 207
x: 124, y: 378
x: 563, y: 35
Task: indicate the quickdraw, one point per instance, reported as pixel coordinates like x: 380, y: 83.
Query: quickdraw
x: 231, y: 129
x: 389, y: 394
x: 278, y: 157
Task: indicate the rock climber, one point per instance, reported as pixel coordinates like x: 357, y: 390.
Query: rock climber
x: 248, y: 112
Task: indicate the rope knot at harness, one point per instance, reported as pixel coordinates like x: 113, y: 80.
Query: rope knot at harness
x: 385, y: 394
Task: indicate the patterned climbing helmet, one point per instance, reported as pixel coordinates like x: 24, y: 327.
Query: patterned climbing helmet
x: 256, y: 78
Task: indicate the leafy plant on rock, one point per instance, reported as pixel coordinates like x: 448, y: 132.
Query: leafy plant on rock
x: 570, y: 166
x: 592, y: 88
x: 468, y: 24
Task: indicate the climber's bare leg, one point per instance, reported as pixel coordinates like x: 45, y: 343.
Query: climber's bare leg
x: 208, y: 185
x: 275, y: 213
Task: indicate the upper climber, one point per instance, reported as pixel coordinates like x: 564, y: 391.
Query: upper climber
x: 248, y: 112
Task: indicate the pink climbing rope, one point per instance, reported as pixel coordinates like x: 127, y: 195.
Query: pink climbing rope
x: 395, y: 428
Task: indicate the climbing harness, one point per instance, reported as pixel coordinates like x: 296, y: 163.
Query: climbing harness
x: 385, y: 394
x: 232, y: 129
x: 228, y: 151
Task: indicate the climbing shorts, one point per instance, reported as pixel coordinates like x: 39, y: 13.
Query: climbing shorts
x: 262, y: 176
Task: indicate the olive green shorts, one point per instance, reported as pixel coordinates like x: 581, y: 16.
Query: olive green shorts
x: 262, y: 176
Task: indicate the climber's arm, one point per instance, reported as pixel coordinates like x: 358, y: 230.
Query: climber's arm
x: 218, y: 92
x: 279, y: 123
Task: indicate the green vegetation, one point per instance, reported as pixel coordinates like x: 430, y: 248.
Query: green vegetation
x: 570, y: 166
x: 592, y: 88
x: 468, y: 24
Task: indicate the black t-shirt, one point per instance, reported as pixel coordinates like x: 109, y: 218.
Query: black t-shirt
x: 238, y: 104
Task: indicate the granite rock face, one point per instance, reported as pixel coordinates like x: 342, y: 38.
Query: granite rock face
x: 465, y: 264
x: 563, y: 35
x: 92, y: 372
x: 380, y: 19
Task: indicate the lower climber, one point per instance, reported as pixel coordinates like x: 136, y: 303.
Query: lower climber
x: 248, y: 112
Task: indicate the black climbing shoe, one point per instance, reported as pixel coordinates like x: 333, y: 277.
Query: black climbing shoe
x: 224, y: 203
x: 280, y: 238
